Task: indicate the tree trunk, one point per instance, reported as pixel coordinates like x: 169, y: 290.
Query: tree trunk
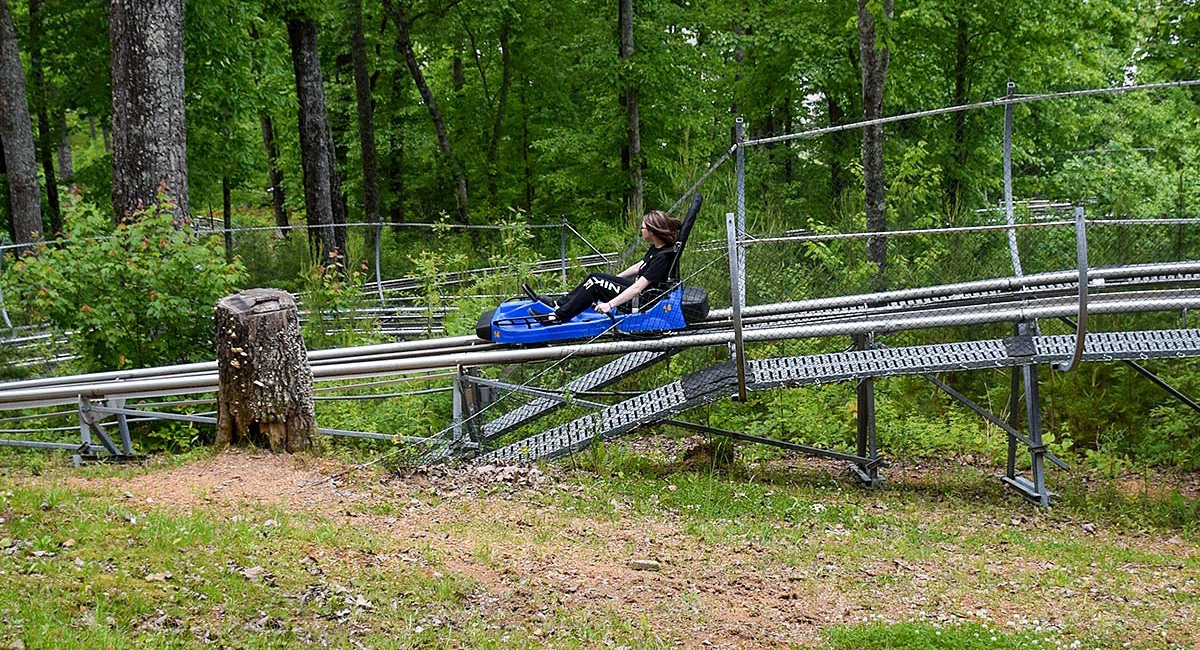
x: 316, y: 143
x: 501, y: 106
x: 874, y: 71
x: 955, y: 181
x: 149, y: 128
x: 16, y: 130
x: 45, y: 135
x: 629, y: 99
x: 394, y: 163
x: 526, y: 139
x: 366, y: 116
x: 404, y: 42
x: 66, y: 166
x: 274, y: 175
x: 265, y: 394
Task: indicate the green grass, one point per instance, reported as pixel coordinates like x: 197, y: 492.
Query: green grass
x: 915, y: 636
x: 944, y: 558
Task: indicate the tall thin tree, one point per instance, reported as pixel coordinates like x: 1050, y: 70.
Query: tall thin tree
x: 874, y: 56
x: 16, y: 131
x: 366, y: 114
x: 403, y: 21
x: 321, y: 185
x: 149, y: 137
x: 632, y: 157
x: 66, y: 166
x: 274, y: 173
x: 267, y: 126
x: 46, y: 142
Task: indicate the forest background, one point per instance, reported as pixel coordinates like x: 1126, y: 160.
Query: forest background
x: 519, y: 113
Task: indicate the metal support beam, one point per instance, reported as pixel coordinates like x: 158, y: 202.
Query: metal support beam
x: 89, y: 423
x: 466, y: 398
x: 790, y: 446
x: 1033, y: 488
x: 1013, y: 433
x: 867, y: 441
x: 123, y: 426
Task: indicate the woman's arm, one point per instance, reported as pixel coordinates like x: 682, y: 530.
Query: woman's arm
x: 632, y: 270
x: 625, y: 296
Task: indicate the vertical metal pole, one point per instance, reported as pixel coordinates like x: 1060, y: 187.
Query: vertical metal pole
x: 471, y: 405
x: 123, y: 427
x: 457, y: 396
x: 85, y: 417
x: 85, y: 432
x: 378, y: 271
x: 868, y: 444
x: 735, y: 291
x: 739, y: 131
x: 1014, y: 420
x: 1037, y: 453
x: 563, y: 249
x: 1009, y: 217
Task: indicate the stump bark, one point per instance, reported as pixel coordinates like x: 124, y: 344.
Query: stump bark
x: 265, y: 395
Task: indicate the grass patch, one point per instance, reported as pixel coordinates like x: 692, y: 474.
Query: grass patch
x: 925, y: 636
x: 756, y: 553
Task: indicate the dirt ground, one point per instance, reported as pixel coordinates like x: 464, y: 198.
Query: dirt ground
x: 694, y: 594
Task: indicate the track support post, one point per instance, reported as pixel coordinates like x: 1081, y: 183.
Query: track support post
x: 1033, y: 487
x: 467, y: 402
x: 868, y: 443
x: 89, y: 423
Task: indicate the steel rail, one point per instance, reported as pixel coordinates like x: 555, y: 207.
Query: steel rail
x: 1128, y: 302
x: 315, y: 357
x: 201, y: 377
x: 1151, y: 271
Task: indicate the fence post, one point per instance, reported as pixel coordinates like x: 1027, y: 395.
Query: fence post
x: 378, y: 271
x: 1008, y: 190
x: 737, y: 294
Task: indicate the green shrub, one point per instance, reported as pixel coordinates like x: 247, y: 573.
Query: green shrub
x: 137, y: 294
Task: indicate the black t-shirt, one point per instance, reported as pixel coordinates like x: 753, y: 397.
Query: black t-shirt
x: 656, y: 265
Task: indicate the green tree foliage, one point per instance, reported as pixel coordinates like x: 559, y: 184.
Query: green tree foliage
x: 137, y: 296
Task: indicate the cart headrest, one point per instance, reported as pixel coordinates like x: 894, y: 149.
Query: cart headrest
x: 685, y: 231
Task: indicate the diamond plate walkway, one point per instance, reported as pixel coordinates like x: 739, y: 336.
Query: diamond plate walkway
x: 720, y: 381
x: 603, y: 376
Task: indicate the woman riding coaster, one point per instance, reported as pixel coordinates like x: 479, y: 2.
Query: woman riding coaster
x: 608, y: 292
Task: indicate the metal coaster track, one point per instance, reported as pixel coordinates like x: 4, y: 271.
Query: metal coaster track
x: 1022, y: 300
x: 972, y: 303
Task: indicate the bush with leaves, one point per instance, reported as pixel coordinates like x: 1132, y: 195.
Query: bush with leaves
x: 137, y: 294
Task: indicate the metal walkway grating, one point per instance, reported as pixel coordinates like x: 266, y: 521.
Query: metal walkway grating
x: 720, y: 381
x: 599, y: 378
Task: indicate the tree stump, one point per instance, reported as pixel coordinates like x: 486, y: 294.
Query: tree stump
x: 265, y: 396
